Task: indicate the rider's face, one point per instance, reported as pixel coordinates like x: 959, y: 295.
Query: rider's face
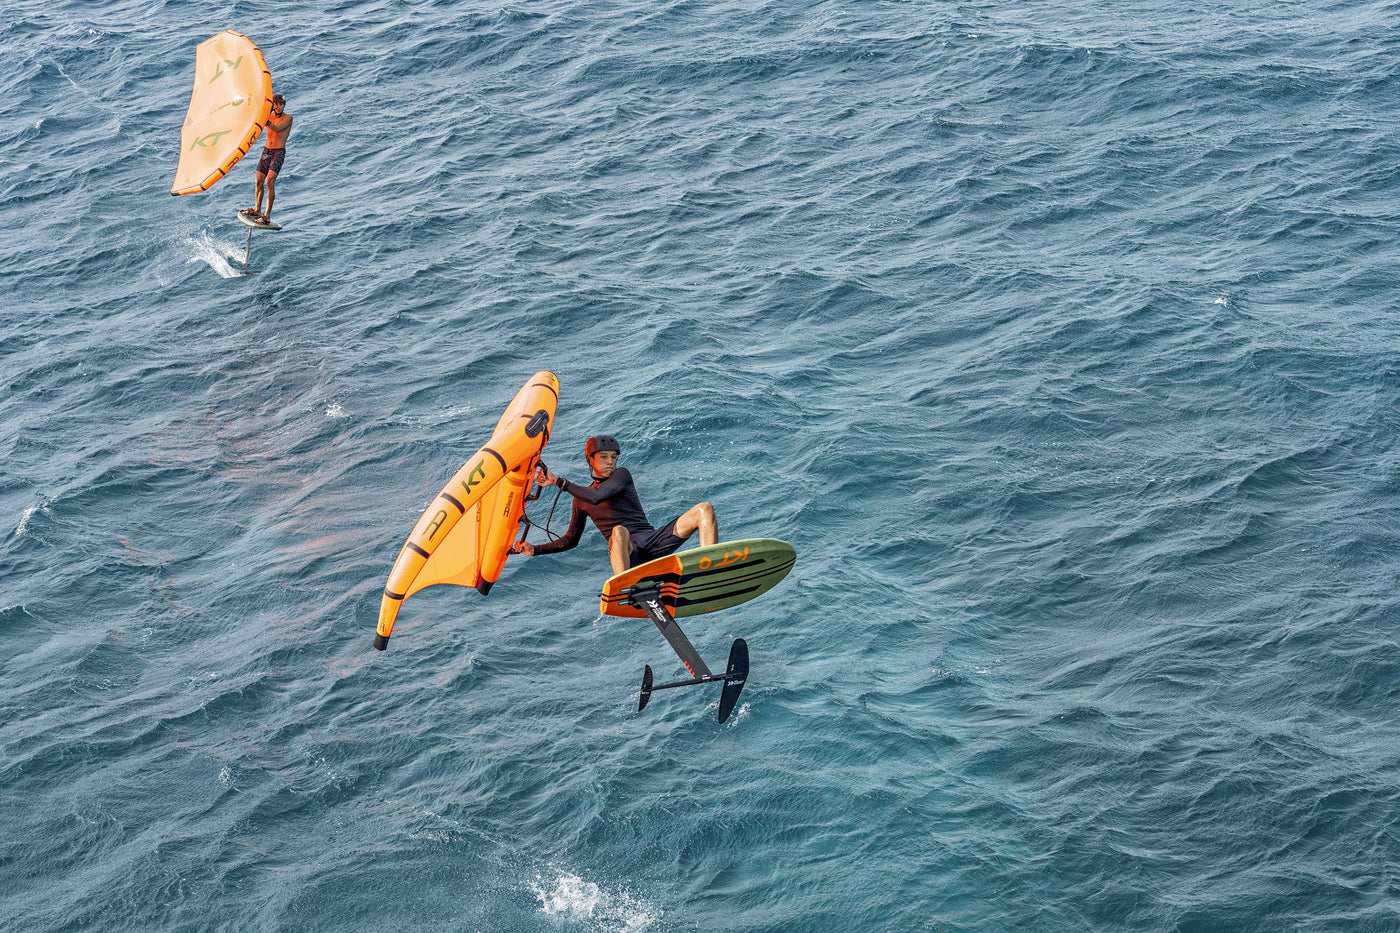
x: 604, y: 462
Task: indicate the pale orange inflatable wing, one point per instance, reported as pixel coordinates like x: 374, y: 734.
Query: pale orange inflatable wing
x: 457, y: 559
x: 470, y: 525
x: 231, y: 100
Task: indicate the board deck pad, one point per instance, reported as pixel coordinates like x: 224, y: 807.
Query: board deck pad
x: 250, y: 222
x: 703, y: 580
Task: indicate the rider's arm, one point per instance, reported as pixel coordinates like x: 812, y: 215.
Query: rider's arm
x: 605, y: 490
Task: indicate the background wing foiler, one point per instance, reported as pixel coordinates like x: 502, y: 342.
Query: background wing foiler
x: 465, y: 534
x: 230, y: 103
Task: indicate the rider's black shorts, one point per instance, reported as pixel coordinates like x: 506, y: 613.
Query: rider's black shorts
x: 658, y: 542
x: 271, y: 161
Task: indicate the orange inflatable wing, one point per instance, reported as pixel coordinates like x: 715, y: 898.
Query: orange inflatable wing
x: 465, y: 535
x: 231, y: 100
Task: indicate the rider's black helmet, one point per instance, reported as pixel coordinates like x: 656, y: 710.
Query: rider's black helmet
x: 600, y: 442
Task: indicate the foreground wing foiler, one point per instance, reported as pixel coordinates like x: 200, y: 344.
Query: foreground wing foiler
x: 231, y: 100
x: 465, y: 535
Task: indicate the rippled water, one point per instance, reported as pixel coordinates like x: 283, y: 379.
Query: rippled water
x: 1060, y: 340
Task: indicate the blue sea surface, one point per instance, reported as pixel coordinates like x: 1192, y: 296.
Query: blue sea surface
x: 1061, y: 339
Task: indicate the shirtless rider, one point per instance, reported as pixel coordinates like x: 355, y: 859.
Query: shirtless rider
x: 279, y: 127
x: 611, y: 501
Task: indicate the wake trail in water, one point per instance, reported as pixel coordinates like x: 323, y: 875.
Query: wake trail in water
x: 219, y: 256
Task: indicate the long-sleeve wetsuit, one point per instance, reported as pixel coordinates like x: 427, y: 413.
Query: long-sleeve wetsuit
x: 610, y: 502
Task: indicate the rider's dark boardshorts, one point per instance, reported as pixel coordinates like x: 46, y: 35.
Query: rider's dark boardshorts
x: 658, y: 542
x: 271, y: 161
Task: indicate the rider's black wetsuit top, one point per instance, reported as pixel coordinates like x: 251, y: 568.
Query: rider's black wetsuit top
x: 610, y: 502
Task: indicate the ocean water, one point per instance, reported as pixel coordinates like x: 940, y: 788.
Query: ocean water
x: 1060, y: 339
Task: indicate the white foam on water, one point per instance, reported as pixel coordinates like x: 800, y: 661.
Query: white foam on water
x: 570, y: 897
x: 22, y: 529
x: 24, y: 521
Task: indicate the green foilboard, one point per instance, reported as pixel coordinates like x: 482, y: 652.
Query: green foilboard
x: 703, y: 580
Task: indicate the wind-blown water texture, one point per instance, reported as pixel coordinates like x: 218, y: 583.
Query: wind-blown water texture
x: 1059, y: 338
